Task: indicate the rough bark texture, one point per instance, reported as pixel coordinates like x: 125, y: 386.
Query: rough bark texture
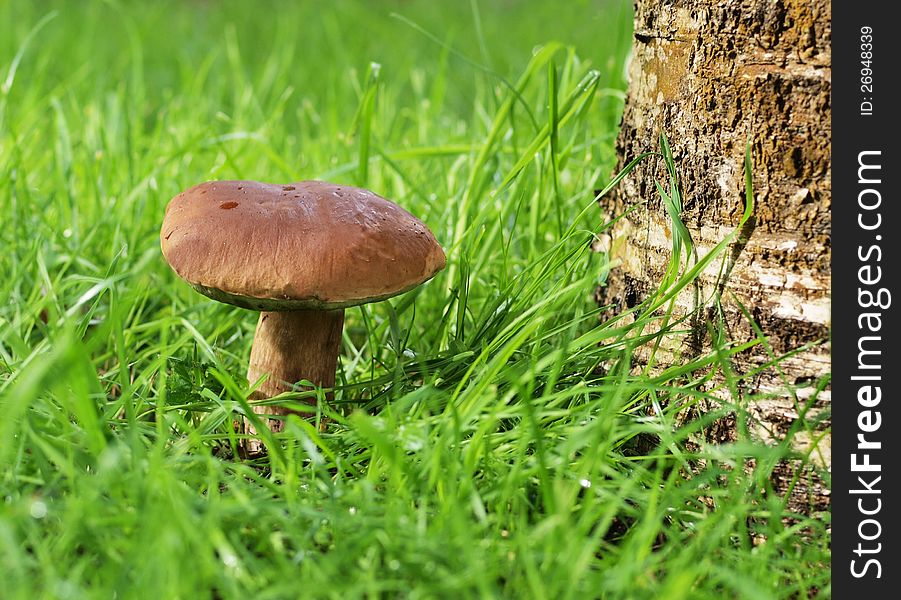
x: 289, y: 346
x: 712, y: 75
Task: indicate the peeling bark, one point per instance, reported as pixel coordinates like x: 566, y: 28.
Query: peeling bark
x: 713, y: 76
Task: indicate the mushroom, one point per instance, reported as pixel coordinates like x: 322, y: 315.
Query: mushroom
x: 300, y: 254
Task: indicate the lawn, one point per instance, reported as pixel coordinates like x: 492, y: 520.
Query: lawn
x: 488, y: 436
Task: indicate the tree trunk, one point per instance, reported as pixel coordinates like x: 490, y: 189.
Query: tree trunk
x: 711, y: 76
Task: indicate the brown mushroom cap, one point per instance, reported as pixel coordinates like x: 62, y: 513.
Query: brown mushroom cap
x: 297, y: 246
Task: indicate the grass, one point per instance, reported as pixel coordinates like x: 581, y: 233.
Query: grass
x: 488, y: 437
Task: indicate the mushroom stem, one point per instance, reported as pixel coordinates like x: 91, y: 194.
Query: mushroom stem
x: 289, y: 346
